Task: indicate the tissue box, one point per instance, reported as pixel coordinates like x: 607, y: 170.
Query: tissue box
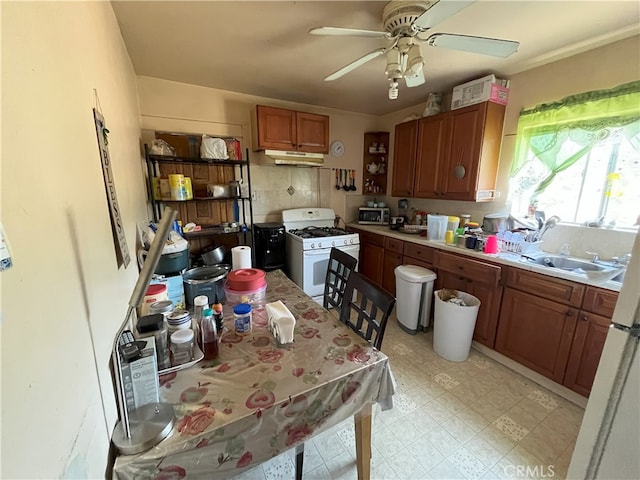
x: 485, y: 89
x: 140, y: 377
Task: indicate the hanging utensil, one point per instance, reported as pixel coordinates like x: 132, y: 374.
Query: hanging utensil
x: 337, y: 183
x: 346, y: 186
x: 353, y: 181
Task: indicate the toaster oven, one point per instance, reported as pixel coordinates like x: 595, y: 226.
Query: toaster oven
x: 374, y: 216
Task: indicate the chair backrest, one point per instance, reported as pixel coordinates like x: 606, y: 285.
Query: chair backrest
x: 341, y: 265
x: 367, y: 315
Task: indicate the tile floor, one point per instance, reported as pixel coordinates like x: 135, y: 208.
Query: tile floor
x: 469, y: 420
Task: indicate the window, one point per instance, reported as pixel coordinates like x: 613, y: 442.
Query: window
x: 579, y: 158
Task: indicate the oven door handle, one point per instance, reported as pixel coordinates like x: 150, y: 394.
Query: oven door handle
x: 316, y: 253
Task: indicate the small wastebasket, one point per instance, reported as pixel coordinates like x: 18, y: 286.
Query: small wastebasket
x: 414, y: 287
x: 453, y: 325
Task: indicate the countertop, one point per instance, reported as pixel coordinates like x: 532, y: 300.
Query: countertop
x: 504, y: 258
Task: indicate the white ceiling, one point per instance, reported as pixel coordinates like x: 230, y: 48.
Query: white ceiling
x: 263, y: 48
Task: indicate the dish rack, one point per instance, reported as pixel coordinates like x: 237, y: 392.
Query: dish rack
x: 413, y: 228
x: 518, y: 246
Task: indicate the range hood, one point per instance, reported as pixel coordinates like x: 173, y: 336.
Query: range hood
x: 295, y: 158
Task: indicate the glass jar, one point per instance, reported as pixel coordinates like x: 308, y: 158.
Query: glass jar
x: 242, y: 318
x: 154, y: 325
x: 165, y: 307
x: 182, y: 346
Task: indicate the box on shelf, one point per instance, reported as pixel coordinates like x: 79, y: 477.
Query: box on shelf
x: 485, y: 89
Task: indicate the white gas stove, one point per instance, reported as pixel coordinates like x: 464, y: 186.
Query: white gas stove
x: 310, y: 237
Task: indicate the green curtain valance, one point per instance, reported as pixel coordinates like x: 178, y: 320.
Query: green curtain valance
x: 585, y: 119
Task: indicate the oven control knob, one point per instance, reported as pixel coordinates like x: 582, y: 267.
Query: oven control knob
x: 345, y: 242
x: 333, y: 244
x: 313, y: 245
x: 319, y: 245
x: 351, y: 241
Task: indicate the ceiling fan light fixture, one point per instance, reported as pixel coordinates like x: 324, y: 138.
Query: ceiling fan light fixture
x: 414, y: 60
x: 393, y: 69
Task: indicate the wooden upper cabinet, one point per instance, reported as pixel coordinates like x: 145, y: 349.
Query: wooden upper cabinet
x: 452, y: 155
x: 475, y: 136
x: 431, y: 156
x: 283, y: 129
x: 404, y: 159
x: 312, y: 132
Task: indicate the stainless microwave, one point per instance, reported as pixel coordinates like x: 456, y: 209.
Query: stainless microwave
x: 374, y: 216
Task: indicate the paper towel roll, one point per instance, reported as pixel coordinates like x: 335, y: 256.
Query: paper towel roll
x: 240, y: 257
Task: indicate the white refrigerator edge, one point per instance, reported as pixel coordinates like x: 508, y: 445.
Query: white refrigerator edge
x: 608, y: 444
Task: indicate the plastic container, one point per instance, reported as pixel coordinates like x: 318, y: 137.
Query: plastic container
x: 178, y: 320
x: 154, y: 325
x: 491, y: 244
x: 242, y: 318
x: 436, y: 227
x: 182, y: 346
x: 208, y: 335
x: 155, y: 293
x: 165, y: 307
x: 253, y: 297
x: 453, y: 326
x: 453, y: 223
x: 414, y: 288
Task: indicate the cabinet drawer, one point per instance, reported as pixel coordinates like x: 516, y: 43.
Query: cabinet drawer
x: 477, y: 271
x: 368, y: 237
x: 555, y: 289
x: 393, y: 245
x: 600, y: 301
x: 419, y: 252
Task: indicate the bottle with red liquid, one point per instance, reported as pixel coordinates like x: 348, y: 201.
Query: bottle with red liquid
x: 209, y: 335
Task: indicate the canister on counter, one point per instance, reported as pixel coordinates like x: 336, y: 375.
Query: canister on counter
x: 242, y: 318
x: 182, y: 346
x: 154, y: 325
x: 155, y: 293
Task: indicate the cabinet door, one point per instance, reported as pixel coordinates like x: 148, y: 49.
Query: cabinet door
x: 312, y: 132
x: 536, y: 332
x: 276, y: 128
x: 431, y: 156
x: 465, y: 139
x: 371, y: 261
x: 391, y: 261
x: 588, y: 342
x: 404, y: 159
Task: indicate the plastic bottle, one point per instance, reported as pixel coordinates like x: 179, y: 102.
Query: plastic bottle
x: 218, y: 317
x: 200, y: 304
x: 242, y: 318
x: 209, y: 335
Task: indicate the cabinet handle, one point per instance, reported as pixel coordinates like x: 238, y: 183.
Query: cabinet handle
x: 584, y: 318
x: 569, y: 313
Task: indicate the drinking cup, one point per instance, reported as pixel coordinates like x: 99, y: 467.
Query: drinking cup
x: 491, y: 244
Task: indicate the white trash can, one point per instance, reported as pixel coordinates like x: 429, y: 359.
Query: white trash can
x: 414, y: 287
x: 453, y: 326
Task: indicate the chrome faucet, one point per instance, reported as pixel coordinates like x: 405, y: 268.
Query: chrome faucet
x: 594, y: 256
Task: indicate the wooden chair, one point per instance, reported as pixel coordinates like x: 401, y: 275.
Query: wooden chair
x: 340, y: 266
x: 367, y: 315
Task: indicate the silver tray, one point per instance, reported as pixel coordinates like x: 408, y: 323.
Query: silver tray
x: 197, y: 356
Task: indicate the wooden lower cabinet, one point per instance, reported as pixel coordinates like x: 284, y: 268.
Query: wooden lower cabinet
x: 391, y: 261
x: 588, y: 342
x: 371, y: 262
x: 536, y: 332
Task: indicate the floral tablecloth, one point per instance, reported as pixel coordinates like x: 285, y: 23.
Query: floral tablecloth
x: 258, y: 399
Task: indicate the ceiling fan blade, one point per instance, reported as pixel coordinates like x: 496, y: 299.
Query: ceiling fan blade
x: 347, y: 32
x: 414, y: 79
x: 483, y: 45
x: 355, y: 64
x: 438, y: 13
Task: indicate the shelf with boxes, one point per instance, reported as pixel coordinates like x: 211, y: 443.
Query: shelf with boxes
x: 212, y: 194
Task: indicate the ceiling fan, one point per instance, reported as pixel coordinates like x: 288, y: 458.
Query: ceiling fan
x: 403, y: 23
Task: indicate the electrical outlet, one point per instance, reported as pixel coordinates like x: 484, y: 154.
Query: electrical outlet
x: 254, y: 196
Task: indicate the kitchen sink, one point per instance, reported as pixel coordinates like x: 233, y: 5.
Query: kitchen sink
x: 580, y: 266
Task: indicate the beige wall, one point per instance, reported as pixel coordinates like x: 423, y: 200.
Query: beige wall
x: 64, y: 299
x: 179, y: 107
x: 601, y: 68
